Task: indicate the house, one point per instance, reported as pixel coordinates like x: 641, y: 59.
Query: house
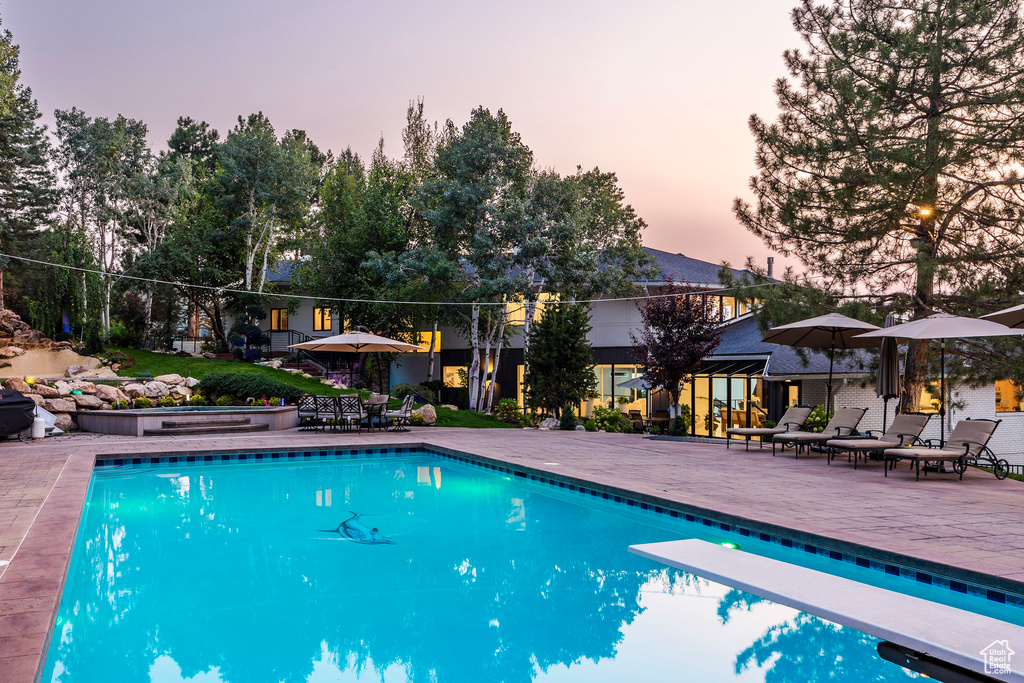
x: 744, y: 383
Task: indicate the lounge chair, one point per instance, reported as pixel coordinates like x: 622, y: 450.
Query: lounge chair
x: 399, y: 418
x: 843, y: 423
x: 905, y: 430
x: 968, y: 444
x: 792, y: 420
x: 662, y: 420
x: 375, y: 407
x: 351, y: 412
x: 638, y: 421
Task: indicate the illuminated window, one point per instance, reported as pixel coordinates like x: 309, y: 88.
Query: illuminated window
x: 423, y: 339
x: 279, y: 318
x: 455, y: 375
x: 1009, y: 396
x: 321, y: 319
x: 729, y: 308
x: 515, y: 313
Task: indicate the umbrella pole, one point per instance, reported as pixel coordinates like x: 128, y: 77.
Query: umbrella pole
x: 885, y: 412
x: 831, y: 361
x: 942, y: 391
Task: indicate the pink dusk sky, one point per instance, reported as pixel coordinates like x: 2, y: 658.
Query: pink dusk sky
x: 658, y: 92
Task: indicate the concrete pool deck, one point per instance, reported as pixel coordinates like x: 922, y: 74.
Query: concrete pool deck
x: 968, y: 526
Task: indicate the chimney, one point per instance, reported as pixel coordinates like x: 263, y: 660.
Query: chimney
x: 771, y: 264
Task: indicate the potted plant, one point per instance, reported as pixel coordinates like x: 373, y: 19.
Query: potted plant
x: 592, y: 398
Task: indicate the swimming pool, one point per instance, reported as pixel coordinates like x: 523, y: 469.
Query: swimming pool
x: 206, y: 572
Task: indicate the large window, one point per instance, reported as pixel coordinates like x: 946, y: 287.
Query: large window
x: 321, y: 319
x: 423, y: 339
x: 278, y: 319
x: 455, y: 375
x: 1009, y: 396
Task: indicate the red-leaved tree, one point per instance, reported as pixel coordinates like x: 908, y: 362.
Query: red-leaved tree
x: 678, y: 332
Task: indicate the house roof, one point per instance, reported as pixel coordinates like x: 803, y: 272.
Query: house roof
x: 685, y: 269
x: 283, y: 271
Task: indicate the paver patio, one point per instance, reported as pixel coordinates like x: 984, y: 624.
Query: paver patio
x: 968, y: 526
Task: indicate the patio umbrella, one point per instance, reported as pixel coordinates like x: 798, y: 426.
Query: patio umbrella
x: 359, y: 341
x: 635, y: 383
x: 943, y: 326
x: 832, y: 331
x: 1011, y: 317
x: 887, y: 385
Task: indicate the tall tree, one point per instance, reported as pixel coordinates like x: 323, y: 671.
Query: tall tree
x: 679, y: 329
x: 893, y: 166
x: 267, y: 184
x: 101, y: 161
x: 27, y: 190
x: 561, y: 366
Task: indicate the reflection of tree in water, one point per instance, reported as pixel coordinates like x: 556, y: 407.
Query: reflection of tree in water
x: 807, y: 649
x: 474, y: 589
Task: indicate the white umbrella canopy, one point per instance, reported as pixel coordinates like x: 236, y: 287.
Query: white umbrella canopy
x: 1011, y: 317
x: 832, y: 331
x: 357, y: 342
x: 943, y: 326
x: 824, y: 332
x: 635, y: 383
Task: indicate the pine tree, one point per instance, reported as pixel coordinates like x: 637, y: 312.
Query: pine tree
x: 27, y: 196
x: 561, y: 366
x: 893, y: 167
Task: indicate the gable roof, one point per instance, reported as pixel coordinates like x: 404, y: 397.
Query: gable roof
x: 743, y: 338
x: 685, y: 269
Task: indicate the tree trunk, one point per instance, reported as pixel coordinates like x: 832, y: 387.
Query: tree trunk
x: 474, y: 368
x: 497, y: 360
x: 430, y: 353
x: 482, y: 394
x: 1, y: 289
x: 148, y: 324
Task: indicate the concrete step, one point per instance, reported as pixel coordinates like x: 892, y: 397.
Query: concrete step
x: 218, y: 422
x: 180, y: 431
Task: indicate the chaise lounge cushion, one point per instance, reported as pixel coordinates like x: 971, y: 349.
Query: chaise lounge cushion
x: 843, y: 423
x: 967, y: 439
x: 905, y: 429
x: 793, y: 418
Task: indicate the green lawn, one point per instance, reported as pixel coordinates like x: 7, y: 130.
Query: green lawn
x: 446, y: 417
x: 165, y: 364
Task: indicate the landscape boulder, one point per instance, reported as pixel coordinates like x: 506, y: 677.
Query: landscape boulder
x: 156, y: 389
x: 11, y: 352
x: 549, y: 423
x: 84, y: 387
x: 449, y: 406
x: 63, y: 422
x: 181, y: 391
x: 63, y: 388
x: 107, y: 393
x: 38, y: 400
x: 134, y: 390
x: 18, y: 384
x: 59, y: 405
x: 191, y: 382
x: 171, y: 380
x: 75, y: 370
x: 580, y: 428
x: 45, y: 391
x: 427, y: 412
x: 86, y: 401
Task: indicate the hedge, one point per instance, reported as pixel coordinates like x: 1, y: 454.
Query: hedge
x: 245, y: 384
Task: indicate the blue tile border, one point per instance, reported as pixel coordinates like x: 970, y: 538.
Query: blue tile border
x: 661, y: 507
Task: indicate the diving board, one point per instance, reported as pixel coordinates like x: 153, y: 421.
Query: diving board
x: 945, y: 633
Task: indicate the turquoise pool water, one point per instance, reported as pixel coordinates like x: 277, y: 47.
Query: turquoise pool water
x: 449, y: 574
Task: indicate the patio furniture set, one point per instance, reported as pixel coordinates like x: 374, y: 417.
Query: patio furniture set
x: 348, y: 411
x: 901, y: 441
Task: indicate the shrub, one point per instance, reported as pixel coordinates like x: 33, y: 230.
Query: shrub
x: 654, y: 431
x: 606, y: 417
x: 679, y: 426
x: 508, y: 411
x: 245, y: 384
x: 274, y: 401
x: 119, y: 405
x: 253, y: 355
x: 121, y: 357
x: 197, y: 399
x: 769, y: 424
x: 417, y: 420
x: 611, y: 429
x: 225, y: 400
x: 590, y: 425
x: 121, y: 335
x: 568, y: 421
x: 817, y: 420
x: 401, y: 390
x: 167, y: 402
x: 143, y: 402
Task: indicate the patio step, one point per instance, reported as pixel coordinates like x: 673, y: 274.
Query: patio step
x: 218, y: 422
x: 180, y: 431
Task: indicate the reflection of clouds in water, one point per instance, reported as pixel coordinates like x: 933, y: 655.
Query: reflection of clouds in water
x: 516, y: 518
x: 329, y: 669
x: 166, y: 670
